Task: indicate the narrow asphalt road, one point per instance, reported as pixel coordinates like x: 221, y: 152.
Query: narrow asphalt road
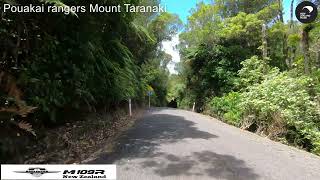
x: 181, y: 145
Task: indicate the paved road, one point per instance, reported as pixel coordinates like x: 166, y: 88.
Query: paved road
x: 181, y: 145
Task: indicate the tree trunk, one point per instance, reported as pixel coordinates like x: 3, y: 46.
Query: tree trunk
x: 291, y: 50
x: 264, y: 42
x: 291, y: 13
x: 318, y: 59
x: 285, y: 49
x: 305, y: 49
x: 289, y: 59
x: 280, y: 11
x: 292, y: 57
x: 285, y: 38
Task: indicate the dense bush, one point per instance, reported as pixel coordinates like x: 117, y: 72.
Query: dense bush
x: 80, y: 61
x: 226, y: 107
x: 63, y: 64
x: 283, y: 101
x: 282, y: 105
x: 253, y: 71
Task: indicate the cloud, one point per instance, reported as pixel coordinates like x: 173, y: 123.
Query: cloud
x: 170, y: 47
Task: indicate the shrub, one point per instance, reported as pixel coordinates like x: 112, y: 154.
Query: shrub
x: 186, y: 102
x: 226, y: 107
x: 283, y: 101
x: 252, y: 71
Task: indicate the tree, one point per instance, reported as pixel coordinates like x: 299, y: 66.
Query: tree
x: 230, y: 8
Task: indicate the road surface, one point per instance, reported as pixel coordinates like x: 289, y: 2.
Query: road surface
x: 181, y: 145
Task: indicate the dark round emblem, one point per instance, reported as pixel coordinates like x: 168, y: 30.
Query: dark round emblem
x: 306, y: 12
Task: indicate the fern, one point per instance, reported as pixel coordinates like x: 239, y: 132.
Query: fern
x: 27, y: 127
x: 142, y: 32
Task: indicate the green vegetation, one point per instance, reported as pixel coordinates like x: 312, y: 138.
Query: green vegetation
x: 54, y: 65
x: 243, y: 64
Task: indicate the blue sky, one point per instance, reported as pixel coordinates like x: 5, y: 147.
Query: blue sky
x: 183, y: 7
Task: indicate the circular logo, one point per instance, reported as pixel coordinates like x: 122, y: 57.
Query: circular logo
x: 306, y: 12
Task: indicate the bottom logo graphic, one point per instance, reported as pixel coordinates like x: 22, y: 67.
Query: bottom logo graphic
x: 36, y: 172
x: 58, y: 172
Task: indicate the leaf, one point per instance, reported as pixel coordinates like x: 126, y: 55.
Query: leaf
x: 25, y: 110
x: 27, y: 127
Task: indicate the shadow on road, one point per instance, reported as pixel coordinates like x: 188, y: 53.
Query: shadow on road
x: 205, y: 163
x: 144, y: 139
x: 151, y: 131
